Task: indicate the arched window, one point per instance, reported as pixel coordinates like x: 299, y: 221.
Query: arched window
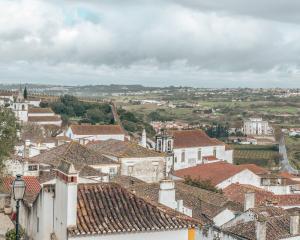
x: 23, y: 107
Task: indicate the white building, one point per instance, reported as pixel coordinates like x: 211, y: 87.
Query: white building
x: 135, y: 160
x: 88, y: 133
x: 256, y: 126
x: 20, y: 108
x: 43, y: 116
x: 73, y: 210
x: 193, y: 147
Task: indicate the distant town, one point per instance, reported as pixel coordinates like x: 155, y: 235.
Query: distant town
x: 133, y: 162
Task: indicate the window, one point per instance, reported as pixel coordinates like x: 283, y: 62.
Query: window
x: 159, y: 145
x: 199, y: 155
x: 23, y: 107
x: 175, y: 159
x: 215, y: 152
x: 169, y: 145
x: 32, y: 168
x: 183, y: 156
x: 37, y: 224
x: 112, y: 171
x: 130, y: 170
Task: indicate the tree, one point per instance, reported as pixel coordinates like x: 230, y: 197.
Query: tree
x: 25, y: 93
x: 8, y: 134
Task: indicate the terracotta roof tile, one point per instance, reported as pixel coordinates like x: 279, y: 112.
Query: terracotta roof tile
x: 97, y: 129
x: 215, y: 172
x: 193, y: 138
x: 205, y: 204
x: 277, y: 228
x: 109, y: 208
x: 236, y: 192
x: 54, y: 118
x: 72, y: 152
x: 40, y: 110
x: 33, y: 187
x: 123, y: 149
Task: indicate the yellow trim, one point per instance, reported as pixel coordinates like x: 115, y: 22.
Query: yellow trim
x: 192, y: 234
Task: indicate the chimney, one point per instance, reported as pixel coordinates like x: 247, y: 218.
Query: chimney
x: 180, y: 206
x: 261, y: 229
x: 167, y: 194
x: 65, y: 198
x: 294, y: 223
x: 249, y: 200
x: 144, y: 139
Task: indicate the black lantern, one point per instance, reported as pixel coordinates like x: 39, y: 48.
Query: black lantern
x: 19, y: 187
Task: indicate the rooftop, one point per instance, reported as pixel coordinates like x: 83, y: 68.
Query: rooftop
x: 216, y: 172
x: 236, y: 192
x: 205, y: 204
x: 72, y: 152
x: 278, y: 227
x: 123, y: 149
x: 40, y: 110
x: 54, y: 118
x: 193, y: 138
x: 97, y: 129
x: 109, y: 208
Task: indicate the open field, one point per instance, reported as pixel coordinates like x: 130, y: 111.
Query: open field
x: 293, y: 149
x: 265, y: 156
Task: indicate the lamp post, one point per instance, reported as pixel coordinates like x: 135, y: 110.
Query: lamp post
x: 19, y: 187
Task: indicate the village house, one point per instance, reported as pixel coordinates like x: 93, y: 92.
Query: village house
x: 69, y: 209
x: 192, y: 147
x: 222, y: 174
x: 88, y: 133
x: 135, y: 160
x: 79, y: 155
x: 43, y: 116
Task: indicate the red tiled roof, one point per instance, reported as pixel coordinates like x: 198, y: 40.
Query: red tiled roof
x: 193, y: 138
x: 109, y: 208
x: 33, y: 187
x: 215, y: 172
x: 236, y: 192
x: 97, y: 129
x: 254, y: 168
x: 40, y: 110
x: 54, y: 118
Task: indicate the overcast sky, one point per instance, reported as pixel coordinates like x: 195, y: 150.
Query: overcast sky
x: 203, y: 43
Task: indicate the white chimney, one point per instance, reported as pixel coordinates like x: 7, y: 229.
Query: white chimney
x: 261, y: 229
x: 65, y: 198
x: 27, y: 142
x: 167, y: 194
x: 294, y: 224
x: 180, y: 206
x: 249, y: 200
x: 144, y: 139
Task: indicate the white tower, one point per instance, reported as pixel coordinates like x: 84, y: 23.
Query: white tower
x: 20, y: 108
x: 144, y: 139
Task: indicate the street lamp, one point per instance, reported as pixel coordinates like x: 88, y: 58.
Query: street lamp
x: 19, y: 187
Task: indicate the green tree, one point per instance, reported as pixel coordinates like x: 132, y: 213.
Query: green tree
x: 25, y: 93
x: 8, y: 134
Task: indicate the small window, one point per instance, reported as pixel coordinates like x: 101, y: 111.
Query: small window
x: 175, y: 159
x: 215, y: 152
x: 169, y: 145
x: 32, y: 168
x: 199, y: 154
x: 130, y: 170
x: 183, y: 156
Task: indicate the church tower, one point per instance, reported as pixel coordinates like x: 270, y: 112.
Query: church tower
x: 20, y: 107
